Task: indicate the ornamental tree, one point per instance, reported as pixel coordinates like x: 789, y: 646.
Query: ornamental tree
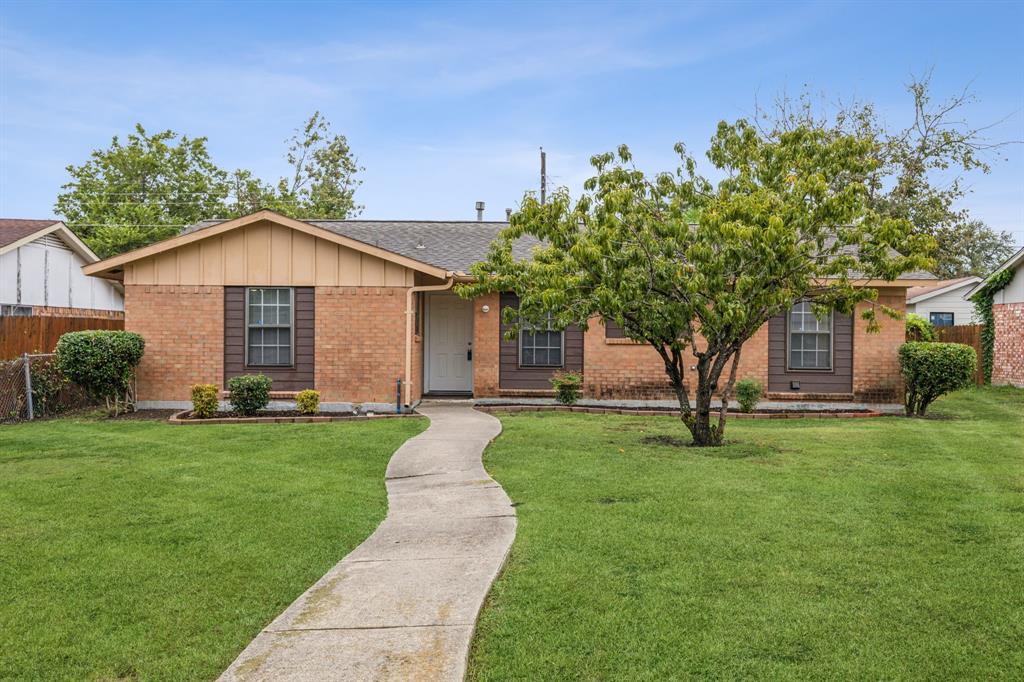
x: 788, y: 222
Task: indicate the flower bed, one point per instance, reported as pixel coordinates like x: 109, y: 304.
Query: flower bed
x: 277, y: 417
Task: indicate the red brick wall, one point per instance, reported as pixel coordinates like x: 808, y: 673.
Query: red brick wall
x: 486, y: 345
x: 183, y: 327
x: 1008, y: 351
x: 360, y: 343
x: 876, y: 364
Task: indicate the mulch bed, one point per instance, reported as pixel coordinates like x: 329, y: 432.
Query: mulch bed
x: 666, y: 411
x: 276, y: 417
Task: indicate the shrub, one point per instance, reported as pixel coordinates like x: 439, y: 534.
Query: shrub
x: 204, y: 400
x: 47, y: 384
x: 748, y: 392
x: 308, y: 401
x: 102, y: 362
x: 933, y: 369
x: 920, y: 329
x: 567, y: 387
x: 250, y: 393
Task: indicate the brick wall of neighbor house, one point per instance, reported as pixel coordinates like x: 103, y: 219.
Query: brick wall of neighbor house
x: 183, y: 327
x: 360, y: 343
x: 486, y: 345
x: 55, y: 311
x: 1008, y: 351
x: 876, y: 364
x: 617, y: 368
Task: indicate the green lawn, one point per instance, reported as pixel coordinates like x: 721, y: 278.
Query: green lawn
x: 133, y: 549
x: 843, y: 549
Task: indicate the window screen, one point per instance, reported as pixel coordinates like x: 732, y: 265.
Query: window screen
x: 941, y: 319
x: 269, y: 327
x: 810, y: 338
x: 540, y: 346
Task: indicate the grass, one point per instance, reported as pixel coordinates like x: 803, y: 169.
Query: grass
x: 887, y: 548
x: 132, y: 549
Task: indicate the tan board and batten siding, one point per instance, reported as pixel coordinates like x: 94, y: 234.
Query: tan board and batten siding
x: 266, y: 254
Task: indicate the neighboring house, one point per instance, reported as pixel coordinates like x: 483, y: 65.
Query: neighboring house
x: 41, y: 273
x: 943, y: 303
x: 355, y: 308
x: 1008, y: 320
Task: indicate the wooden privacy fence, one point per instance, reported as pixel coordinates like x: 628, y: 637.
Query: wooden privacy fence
x: 969, y: 334
x: 39, y: 334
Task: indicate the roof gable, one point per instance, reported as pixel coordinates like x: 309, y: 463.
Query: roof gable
x: 17, y: 233
x: 919, y: 294
x: 1014, y: 261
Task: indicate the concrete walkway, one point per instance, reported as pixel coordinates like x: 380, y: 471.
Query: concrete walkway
x: 402, y: 605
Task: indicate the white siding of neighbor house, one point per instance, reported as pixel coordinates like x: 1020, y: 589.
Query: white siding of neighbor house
x: 948, y: 302
x: 1014, y: 291
x: 45, y: 272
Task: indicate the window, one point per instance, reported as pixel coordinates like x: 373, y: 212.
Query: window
x: 540, y: 346
x: 810, y: 339
x: 941, y: 319
x: 269, y: 327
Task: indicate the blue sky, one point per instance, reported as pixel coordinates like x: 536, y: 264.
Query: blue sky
x: 447, y: 104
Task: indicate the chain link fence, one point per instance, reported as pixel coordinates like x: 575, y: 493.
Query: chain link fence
x: 31, y: 387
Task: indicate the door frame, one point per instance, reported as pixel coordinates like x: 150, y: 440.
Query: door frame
x: 425, y: 379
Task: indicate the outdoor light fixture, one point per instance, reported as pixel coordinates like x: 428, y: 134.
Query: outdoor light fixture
x: 486, y: 308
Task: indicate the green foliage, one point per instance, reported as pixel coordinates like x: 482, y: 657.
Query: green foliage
x: 102, y: 362
x: 918, y: 174
x: 789, y: 220
x: 567, y: 387
x: 748, y: 393
x: 308, y: 401
x: 47, y: 383
x: 323, y: 180
x: 920, y: 329
x: 983, y: 300
x: 205, y: 399
x: 250, y: 393
x: 931, y: 370
x: 135, y: 193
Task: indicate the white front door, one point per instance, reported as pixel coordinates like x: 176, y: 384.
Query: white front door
x: 449, y: 344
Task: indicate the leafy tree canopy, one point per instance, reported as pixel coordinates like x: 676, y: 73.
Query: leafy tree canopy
x: 920, y: 169
x: 791, y: 220
x: 146, y: 189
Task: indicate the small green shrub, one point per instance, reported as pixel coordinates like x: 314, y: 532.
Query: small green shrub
x: 308, y: 401
x: 568, y: 386
x: 748, y: 392
x: 102, y: 362
x: 920, y: 329
x: 47, y: 384
x: 250, y: 393
x: 204, y: 400
x: 933, y: 369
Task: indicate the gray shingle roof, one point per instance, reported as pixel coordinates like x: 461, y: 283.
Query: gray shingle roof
x: 450, y: 244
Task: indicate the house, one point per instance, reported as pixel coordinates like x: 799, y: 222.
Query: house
x: 41, y: 273
x: 943, y: 303
x: 1008, y: 321
x: 363, y: 311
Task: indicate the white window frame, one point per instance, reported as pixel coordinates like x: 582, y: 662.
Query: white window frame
x: 526, y: 329
x: 290, y: 326
x: 789, y: 340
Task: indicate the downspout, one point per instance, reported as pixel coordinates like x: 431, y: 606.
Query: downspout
x: 410, y: 312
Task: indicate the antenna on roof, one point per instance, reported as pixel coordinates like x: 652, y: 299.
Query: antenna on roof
x: 543, y: 176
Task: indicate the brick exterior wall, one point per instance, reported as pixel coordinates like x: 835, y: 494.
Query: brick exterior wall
x: 876, y: 363
x: 360, y: 343
x: 183, y: 327
x: 1008, y: 351
x: 55, y: 311
x: 486, y: 345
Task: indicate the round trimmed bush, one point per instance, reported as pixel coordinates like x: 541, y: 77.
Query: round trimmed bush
x: 102, y: 362
x: 204, y: 400
x: 748, y: 393
x: 931, y: 370
x: 307, y: 401
x: 568, y: 386
x: 250, y: 393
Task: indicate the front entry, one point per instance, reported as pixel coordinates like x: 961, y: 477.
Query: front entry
x: 448, y: 361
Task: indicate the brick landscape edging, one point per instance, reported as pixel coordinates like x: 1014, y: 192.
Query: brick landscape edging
x: 178, y: 419
x: 491, y: 409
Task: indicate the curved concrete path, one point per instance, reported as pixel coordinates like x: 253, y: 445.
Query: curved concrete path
x: 402, y: 605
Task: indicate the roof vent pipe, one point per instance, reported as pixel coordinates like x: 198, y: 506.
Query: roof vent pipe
x: 508, y: 214
x: 479, y: 211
